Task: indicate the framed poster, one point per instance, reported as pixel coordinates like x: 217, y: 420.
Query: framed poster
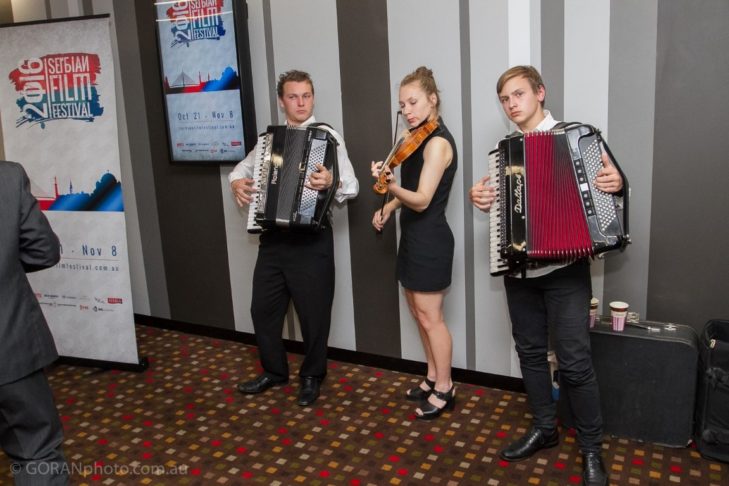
x: 206, y: 79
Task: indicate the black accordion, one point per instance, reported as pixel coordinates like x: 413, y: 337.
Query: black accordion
x: 285, y: 157
x: 547, y: 208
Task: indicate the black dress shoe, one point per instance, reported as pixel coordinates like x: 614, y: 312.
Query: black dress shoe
x: 533, y: 441
x: 309, y: 391
x: 260, y: 384
x: 593, y: 470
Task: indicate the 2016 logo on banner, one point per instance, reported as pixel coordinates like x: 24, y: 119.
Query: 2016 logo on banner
x: 195, y: 20
x: 57, y: 87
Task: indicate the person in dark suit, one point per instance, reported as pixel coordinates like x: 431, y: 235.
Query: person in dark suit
x: 30, y: 429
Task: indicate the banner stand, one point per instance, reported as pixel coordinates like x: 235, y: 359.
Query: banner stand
x: 107, y: 365
x: 59, y: 120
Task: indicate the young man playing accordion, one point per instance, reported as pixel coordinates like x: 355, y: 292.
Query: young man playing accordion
x: 554, y: 293
x: 294, y: 266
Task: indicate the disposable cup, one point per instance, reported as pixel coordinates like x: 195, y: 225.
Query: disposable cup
x: 618, y: 312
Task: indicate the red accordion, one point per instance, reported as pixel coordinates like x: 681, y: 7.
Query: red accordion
x: 547, y: 208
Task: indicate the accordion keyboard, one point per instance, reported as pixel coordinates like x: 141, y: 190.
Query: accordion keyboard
x: 260, y: 173
x: 497, y: 264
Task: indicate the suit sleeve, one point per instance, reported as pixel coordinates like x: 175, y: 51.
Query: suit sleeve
x: 39, y: 245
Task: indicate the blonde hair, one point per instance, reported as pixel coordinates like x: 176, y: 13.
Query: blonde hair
x: 424, y: 77
x: 529, y: 73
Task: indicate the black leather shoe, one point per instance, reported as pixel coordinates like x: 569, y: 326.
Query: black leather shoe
x: 309, y: 391
x: 429, y: 411
x: 260, y: 384
x: 593, y: 470
x: 533, y: 441
x: 418, y: 394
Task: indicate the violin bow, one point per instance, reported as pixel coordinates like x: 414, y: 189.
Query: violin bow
x: 386, y: 196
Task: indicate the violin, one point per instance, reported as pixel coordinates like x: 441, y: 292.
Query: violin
x: 403, y: 149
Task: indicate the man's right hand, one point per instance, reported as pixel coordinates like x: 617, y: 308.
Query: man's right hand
x: 242, y: 190
x: 482, y: 195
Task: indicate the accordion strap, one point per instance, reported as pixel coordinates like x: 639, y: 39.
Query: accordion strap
x: 564, y: 124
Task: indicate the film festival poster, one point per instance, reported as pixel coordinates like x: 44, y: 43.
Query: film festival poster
x: 201, y: 80
x: 59, y: 120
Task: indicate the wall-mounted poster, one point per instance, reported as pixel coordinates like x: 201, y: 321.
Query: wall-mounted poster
x: 205, y: 70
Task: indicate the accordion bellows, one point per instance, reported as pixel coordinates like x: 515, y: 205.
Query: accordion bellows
x: 285, y: 157
x: 547, y: 208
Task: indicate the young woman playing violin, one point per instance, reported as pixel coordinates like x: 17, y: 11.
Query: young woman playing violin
x: 428, y: 160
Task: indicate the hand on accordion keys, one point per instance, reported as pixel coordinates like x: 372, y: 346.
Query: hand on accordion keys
x: 608, y: 178
x: 321, y: 179
x: 243, y: 191
x: 482, y: 195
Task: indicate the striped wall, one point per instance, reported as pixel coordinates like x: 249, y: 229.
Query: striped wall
x: 650, y: 74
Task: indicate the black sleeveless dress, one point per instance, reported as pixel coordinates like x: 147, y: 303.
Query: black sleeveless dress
x: 425, y: 255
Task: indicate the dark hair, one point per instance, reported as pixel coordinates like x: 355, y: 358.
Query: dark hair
x: 424, y: 76
x: 529, y: 73
x: 293, y: 75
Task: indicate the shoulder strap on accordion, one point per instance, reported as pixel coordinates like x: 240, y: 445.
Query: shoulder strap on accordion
x: 564, y: 124
x: 325, y: 126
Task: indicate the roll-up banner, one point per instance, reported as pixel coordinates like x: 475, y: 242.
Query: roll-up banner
x: 59, y: 120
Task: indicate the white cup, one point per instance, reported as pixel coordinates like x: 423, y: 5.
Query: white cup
x: 593, y: 311
x: 618, y: 311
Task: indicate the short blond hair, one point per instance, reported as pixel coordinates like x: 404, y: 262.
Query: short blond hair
x: 529, y: 73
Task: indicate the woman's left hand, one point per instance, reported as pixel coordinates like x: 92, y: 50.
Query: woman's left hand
x: 376, y: 167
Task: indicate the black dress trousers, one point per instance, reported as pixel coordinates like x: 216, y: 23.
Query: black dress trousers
x: 296, y: 267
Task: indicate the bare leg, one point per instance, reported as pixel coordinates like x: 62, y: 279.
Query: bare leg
x: 431, y: 374
x: 427, y: 309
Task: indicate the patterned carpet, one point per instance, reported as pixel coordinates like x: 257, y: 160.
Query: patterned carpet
x: 181, y: 422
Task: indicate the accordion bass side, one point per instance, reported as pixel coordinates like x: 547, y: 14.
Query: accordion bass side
x: 285, y: 157
x: 547, y: 208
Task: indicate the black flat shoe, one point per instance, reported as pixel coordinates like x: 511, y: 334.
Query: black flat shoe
x: 593, y: 470
x: 527, y: 445
x: 309, y: 391
x: 430, y: 411
x: 260, y: 384
x: 418, y: 394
